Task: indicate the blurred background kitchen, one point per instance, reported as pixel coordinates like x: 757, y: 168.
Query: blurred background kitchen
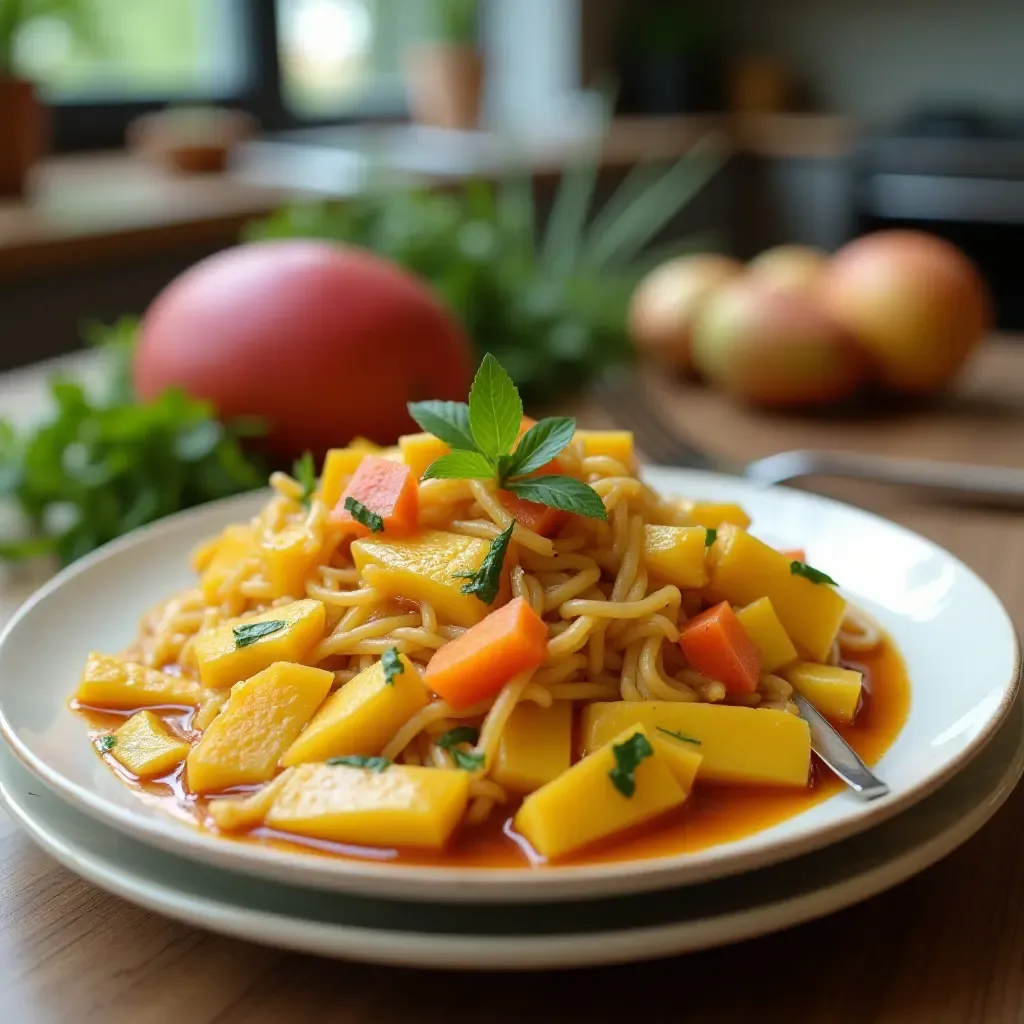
x: 533, y: 161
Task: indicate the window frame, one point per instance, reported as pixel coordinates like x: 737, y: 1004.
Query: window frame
x: 76, y: 126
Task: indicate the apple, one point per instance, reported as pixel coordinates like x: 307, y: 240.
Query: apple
x: 774, y: 346
x: 666, y: 302
x: 795, y: 266
x: 916, y: 303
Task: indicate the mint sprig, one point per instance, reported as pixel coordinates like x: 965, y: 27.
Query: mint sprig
x: 483, y: 437
x: 810, y: 573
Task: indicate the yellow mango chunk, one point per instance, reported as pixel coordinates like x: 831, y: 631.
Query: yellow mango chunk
x: 289, y: 556
x: 362, y: 716
x: 339, y: 465
x: 744, y: 569
x: 240, y: 813
x: 762, y: 625
x: 714, y: 514
x: 222, y: 663
x: 244, y: 743
x: 682, y: 757
x: 425, y: 568
x: 616, y: 444
x: 677, y: 554
x: 111, y: 683
x: 420, y: 450
x: 237, y: 544
x: 146, y: 747
x: 584, y: 805
x: 402, y: 806
x: 741, y: 746
x: 834, y: 691
x: 535, y: 747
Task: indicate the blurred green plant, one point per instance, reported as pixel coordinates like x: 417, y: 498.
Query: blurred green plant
x: 455, y: 22
x: 15, y: 14
x: 551, y: 309
x: 104, y: 465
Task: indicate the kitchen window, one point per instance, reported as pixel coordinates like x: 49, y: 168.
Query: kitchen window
x: 288, y: 62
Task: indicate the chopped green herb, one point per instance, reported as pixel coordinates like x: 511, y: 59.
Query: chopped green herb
x: 486, y: 581
x: 107, y: 743
x: 682, y: 737
x: 371, y: 764
x: 710, y: 536
x: 484, y: 436
x: 247, y: 635
x: 361, y: 514
x: 467, y: 760
x: 628, y: 756
x: 809, y: 573
x: 392, y: 665
x: 304, y: 472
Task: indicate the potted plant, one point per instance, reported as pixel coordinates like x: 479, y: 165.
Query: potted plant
x: 22, y: 116
x: 445, y: 72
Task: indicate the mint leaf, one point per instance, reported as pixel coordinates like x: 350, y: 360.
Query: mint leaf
x: 682, y: 737
x: 460, y: 466
x: 246, y: 636
x: 628, y: 756
x: 486, y: 581
x: 361, y: 514
x: 467, y: 760
x: 448, y: 421
x: 107, y: 743
x: 710, y: 536
x: 392, y: 665
x: 809, y: 573
x: 495, y: 409
x: 540, y: 444
x: 561, y: 492
x: 304, y: 472
x: 371, y: 764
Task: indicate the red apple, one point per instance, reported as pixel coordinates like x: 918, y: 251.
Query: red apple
x: 914, y: 301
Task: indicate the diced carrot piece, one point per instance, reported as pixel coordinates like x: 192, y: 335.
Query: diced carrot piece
x: 716, y: 645
x: 388, y: 489
x: 542, y: 519
x: 479, y: 663
x: 533, y: 515
x: 794, y: 554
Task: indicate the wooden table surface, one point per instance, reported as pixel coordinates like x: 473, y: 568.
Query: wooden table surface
x: 947, y: 946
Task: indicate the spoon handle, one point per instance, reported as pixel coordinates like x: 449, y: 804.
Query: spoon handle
x: 838, y: 754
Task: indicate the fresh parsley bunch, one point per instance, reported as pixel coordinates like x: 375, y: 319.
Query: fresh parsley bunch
x: 103, y: 465
x: 483, y: 436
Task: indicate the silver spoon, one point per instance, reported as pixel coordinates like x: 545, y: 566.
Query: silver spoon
x: 838, y: 754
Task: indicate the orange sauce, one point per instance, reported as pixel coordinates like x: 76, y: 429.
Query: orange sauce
x: 711, y: 816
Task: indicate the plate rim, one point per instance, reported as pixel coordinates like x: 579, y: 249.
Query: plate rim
x: 471, y: 953
x: 487, y: 885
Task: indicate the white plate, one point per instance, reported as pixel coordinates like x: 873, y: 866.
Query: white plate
x: 529, y: 936
x: 959, y: 644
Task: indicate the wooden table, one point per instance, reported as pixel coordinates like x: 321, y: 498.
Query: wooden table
x: 945, y: 947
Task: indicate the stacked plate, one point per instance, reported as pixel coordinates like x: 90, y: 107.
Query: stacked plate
x: 953, y: 764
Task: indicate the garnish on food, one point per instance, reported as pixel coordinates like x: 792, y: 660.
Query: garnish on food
x: 304, y: 472
x: 392, y: 665
x: 710, y: 536
x: 371, y: 764
x: 483, y: 436
x: 107, y: 743
x: 486, y: 581
x: 628, y: 757
x: 361, y: 514
x: 682, y: 737
x: 810, y: 573
x: 248, y: 634
x: 453, y: 741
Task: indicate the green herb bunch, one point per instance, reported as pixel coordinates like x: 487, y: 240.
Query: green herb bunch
x: 550, y: 305
x: 102, y: 466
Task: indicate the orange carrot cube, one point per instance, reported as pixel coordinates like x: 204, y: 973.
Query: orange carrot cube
x: 387, y: 489
x: 716, y: 645
x: 479, y: 663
